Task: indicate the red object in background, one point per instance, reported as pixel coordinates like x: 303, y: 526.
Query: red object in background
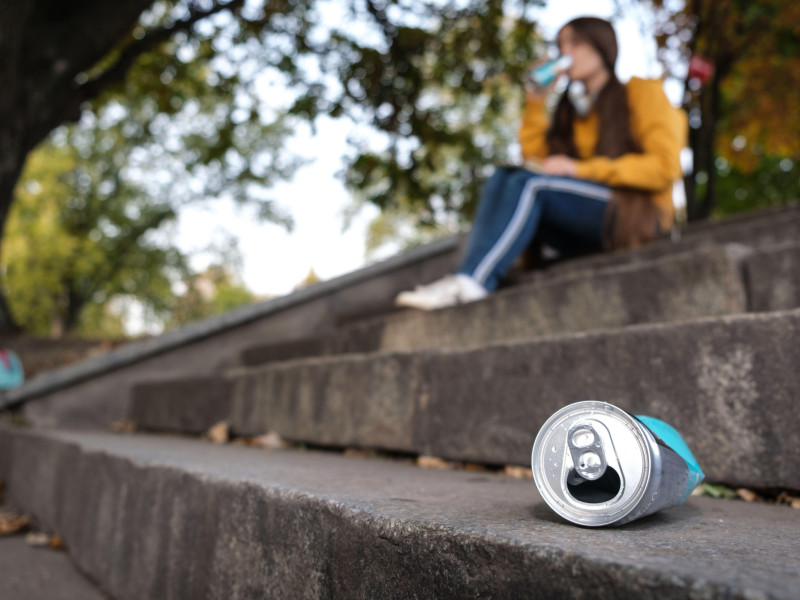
x: 5, y: 359
x: 701, y: 68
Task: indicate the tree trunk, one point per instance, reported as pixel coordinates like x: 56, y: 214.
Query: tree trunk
x: 44, y: 45
x: 703, y: 151
x: 10, y: 169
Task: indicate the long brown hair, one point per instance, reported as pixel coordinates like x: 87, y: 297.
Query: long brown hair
x: 632, y: 216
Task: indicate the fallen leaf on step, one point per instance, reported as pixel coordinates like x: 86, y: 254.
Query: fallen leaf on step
x: 747, y: 495
x: 518, y: 472
x: 361, y: 453
x: 11, y: 523
x: 433, y: 462
x: 123, y: 426
x: 271, y: 441
x: 38, y: 539
x: 219, y: 433
x: 475, y: 467
x: 786, y: 498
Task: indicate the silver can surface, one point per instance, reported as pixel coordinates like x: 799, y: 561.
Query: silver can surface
x: 595, y: 464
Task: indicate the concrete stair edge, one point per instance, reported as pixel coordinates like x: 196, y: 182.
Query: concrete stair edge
x: 701, y: 282
x: 158, y: 517
x: 727, y: 383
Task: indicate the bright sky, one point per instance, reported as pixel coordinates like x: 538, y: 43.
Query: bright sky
x: 275, y: 261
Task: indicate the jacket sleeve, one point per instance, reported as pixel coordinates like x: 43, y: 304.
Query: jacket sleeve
x: 661, y: 130
x: 533, y: 132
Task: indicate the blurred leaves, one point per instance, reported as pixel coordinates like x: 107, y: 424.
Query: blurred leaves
x: 746, y: 122
x: 441, y: 83
x: 94, y: 208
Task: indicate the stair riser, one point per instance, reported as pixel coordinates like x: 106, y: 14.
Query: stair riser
x: 730, y: 386
x: 185, y: 405
x: 708, y: 282
x: 773, y: 278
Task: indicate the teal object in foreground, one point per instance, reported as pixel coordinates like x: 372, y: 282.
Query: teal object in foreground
x: 595, y: 465
x: 670, y: 436
x: 11, y: 373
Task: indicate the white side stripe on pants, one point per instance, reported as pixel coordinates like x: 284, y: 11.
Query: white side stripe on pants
x: 523, y: 210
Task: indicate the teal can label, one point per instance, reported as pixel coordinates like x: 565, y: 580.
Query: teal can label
x: 595, y: 465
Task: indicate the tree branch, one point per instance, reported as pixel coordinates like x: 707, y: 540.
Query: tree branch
x: 128, y: 56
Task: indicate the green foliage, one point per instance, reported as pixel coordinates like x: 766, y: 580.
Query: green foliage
x: 90, y: 224
x: 93, y: 208
x: 442, y: 83
x: 746, y: 120
x: 774, y: 181
x: 79, y: 234
x: 715, y: 490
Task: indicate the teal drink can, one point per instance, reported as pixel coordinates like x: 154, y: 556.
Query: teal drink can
x: 595, y: 464
x: 543, y: 75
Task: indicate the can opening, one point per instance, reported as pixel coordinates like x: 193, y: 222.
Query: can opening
x: 594, y: 492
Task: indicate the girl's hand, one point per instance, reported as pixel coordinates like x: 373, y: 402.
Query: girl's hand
x: 560, y: 165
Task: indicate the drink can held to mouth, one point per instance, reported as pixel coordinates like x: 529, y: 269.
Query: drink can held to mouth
x: 543, y: 75
x: 595, y: 464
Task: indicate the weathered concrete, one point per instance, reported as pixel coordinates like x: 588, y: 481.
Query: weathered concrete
x: 187, y: 405
x: 681, y: 286
x: 756, y: 230
x: 172, y: 518
x: 773, y: 277
x: 353, y: 400
x: 674, y: 288
x: 28, y: 573
x: 729, y: 384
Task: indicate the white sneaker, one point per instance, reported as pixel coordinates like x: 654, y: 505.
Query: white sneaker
x: 447, y: 291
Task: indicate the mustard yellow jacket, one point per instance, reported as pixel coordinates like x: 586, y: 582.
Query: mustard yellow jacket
x: 660, y: 128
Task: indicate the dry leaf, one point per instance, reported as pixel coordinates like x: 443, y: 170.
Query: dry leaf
x: 475, y: 467
x: 219, y: 433
x: 11, y: 523
x: 38, y: 539
x: 747, y: 495
x: 432, y: 462
x: 123, y: 426
x: 272, y: 441
x: 795, y: 503
x: 518, y: 472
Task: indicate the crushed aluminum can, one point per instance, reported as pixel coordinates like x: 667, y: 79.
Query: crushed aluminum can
x: 595, y: 464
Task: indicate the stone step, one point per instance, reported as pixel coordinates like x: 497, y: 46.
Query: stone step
x: 729, y: 384
x: 34, y: 573
x: 95, y: 392
x: 757, y: 229
x: 189, y: 405
x: 682, y: 286
x: 151, y: 517
x: 773, y: 277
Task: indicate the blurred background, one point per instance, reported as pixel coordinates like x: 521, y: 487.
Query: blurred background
x: 164, y: 161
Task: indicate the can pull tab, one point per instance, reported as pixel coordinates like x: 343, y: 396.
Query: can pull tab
x: 587, y: 453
